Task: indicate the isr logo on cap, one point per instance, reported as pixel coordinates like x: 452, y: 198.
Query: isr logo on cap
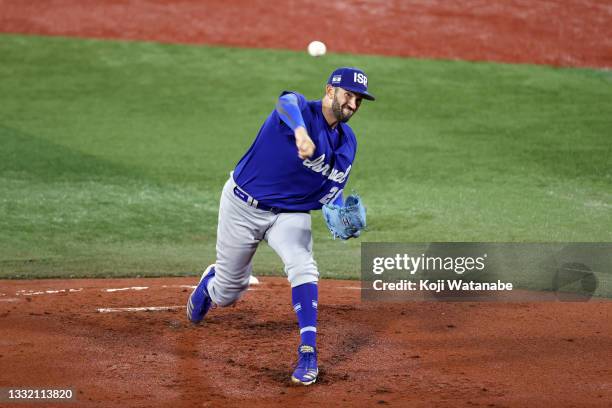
x: 360, y: 78
x: 351, y: 79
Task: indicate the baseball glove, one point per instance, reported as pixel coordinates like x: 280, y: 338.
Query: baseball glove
x: 347, y: 221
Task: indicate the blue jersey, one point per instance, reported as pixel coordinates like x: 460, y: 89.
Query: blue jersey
x: 273, y: 174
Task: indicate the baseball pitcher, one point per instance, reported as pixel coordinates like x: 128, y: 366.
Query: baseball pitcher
x: 299, y: 162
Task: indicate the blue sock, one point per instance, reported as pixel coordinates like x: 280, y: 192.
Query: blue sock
x: 305, y: 298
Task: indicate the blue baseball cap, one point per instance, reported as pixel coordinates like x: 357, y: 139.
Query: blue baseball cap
x: 353, y: 79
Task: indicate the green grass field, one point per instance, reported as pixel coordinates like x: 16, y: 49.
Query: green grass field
x: 113, y: 154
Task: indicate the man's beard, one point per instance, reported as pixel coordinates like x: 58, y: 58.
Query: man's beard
x: 338, y: 113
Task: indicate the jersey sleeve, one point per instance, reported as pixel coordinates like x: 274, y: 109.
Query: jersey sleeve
x: 302, y: 103
x: 289, y: 111
x: 303, y: 110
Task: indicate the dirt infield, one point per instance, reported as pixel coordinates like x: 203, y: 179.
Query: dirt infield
x: 555, y: 32
x: 88, y: 335
x: 127, y: 342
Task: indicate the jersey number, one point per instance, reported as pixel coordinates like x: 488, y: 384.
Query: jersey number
x: 331, y: 196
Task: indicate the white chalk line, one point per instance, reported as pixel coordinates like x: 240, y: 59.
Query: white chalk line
x: 123, y: 289
x: 138, y: 309
x: 24, y: 292
x: 32, y: 292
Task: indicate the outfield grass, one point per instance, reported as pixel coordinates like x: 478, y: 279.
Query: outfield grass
x: 113, y: 154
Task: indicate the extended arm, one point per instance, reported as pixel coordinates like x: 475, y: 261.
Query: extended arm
x: 289, y: 111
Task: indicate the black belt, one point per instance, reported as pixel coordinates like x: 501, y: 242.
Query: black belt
x: 238, y: 192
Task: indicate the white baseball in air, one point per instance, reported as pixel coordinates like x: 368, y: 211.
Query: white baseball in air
x: 317, y: 49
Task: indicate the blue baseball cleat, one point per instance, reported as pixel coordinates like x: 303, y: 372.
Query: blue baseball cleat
x: 306, y: 371
x: 199, y: 301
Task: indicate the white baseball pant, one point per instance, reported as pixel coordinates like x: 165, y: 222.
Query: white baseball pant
x: 240, y: 229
